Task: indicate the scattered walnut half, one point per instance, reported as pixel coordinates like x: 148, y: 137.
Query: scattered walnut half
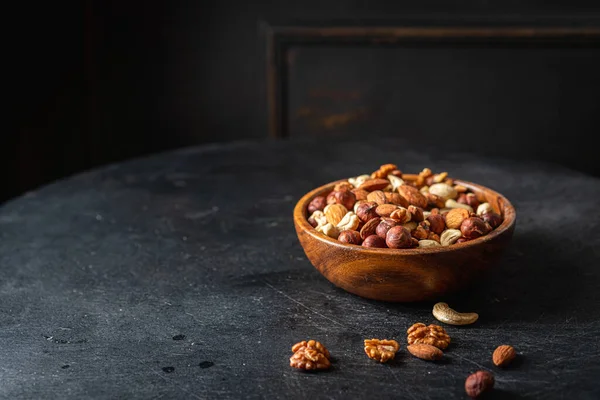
x: 381, y: 350
x: 310, y: 355
x: 433, y: 335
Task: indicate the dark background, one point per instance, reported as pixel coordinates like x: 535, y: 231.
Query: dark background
x: 98, y: 82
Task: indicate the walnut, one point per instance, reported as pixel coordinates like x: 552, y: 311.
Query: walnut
x: 310, y: 355
x: 381, y: 350
x: 433, y: 335
x: 384, y: 171
x: 423, y: 175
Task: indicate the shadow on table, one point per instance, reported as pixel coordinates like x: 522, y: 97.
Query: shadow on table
x: 498, y: 394
x: 536, y: 278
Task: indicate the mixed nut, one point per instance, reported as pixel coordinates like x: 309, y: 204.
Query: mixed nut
x: 425, y: 342
x: 383, y: 210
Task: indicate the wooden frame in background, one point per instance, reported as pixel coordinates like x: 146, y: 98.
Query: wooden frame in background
x: 281, y: 38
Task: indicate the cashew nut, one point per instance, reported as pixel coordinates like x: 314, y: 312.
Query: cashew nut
x: 329, y: 230
x: 395, y: 181
x: 359, y: 180
x: 455, y: 204
x: 484, y: 208
x: 450, y: 236
x: 349, y: 222
x: 443, y: 190
x: 428, y: 243
x: 443, y: 313
x: 319, y: 216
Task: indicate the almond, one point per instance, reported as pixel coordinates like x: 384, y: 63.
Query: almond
x: 455, y: 217
x: 395, y: 198
x: 334, y: 213
x: 369, y: 228
x: 434, y: 201
x: 503, y: 355
x: 360, y: 194
x: 377, y: 196
x: 425, y: 351
x: 374, y: 184
x: 413, y: 196
x: 384, y: 210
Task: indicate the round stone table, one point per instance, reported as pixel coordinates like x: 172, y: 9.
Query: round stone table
x: 180, y: 276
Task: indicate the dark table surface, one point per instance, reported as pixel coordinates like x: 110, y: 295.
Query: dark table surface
x: 180, y: 276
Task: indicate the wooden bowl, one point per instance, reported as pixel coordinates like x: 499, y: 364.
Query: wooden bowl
x: 404, y: 275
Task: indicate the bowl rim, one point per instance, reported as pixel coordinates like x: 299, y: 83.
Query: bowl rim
x: 508, y: 212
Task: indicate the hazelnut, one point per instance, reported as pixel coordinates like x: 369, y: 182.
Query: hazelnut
x: 416, y: 213
x: 479, y: 383
x: 472, y: 228
x: 377, y: 196
x: 345, y: 198
x: 366, y: 211
x: 398, y: 237
x: 350, y: 237
x: 469, y: 199
x: 384, y: 226
x: 357, y: 204
x: 318, y: 203
x: 436, y: 223
x: 461, y: 239
x: 360, y: 194
x: 493, y: 219
x: 374, y: 241
x: 313, y: 222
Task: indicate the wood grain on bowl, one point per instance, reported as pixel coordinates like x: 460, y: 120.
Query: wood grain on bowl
x: 408, y: 274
